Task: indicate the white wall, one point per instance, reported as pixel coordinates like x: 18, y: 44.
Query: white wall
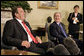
x: 37, y: 17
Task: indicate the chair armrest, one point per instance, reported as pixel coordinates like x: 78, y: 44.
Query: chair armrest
x: 14, y: 48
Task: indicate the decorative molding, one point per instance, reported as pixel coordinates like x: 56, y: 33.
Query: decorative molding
x: 6, y: 9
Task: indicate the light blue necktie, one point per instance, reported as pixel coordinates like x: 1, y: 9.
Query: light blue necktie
x: 62, y: 30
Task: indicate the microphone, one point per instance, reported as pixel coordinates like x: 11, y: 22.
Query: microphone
x: 60, y: 50
x: 71, y: 46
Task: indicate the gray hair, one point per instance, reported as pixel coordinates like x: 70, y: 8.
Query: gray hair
x: 57, y: 13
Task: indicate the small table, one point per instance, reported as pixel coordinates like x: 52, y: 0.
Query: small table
x: 16, y: 52
x: 41, y: 32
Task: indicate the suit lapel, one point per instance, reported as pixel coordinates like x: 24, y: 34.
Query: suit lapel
x: 19, y: 25
x: 63, y: 29
x: 27, y: 24
x: 78, y: 15
x: 59, y: 29
x: 73, y: 14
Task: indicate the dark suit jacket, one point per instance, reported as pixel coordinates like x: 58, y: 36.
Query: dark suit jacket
x: 14, y: 34
x: 55, y: 31
x: 74, y: 27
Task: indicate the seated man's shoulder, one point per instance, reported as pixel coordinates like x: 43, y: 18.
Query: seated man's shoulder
x: 26, y: 22
x: 53, y: 24
x: 10, y: 21
x: 62, y: 23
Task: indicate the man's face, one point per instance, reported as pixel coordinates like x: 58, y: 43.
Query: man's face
x: 76, y: 9
x: 21, y: 13
x: 57, y: 17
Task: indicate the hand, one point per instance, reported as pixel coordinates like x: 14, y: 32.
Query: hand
x: 73, y: 18
x: 38, y: 39
x: 26, y: 44
x: 77, y: 21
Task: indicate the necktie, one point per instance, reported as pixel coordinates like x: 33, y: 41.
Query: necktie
x: 28, y: 31
x: 62, y: 30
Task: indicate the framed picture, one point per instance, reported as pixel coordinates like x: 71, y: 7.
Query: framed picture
x: 48, y: 4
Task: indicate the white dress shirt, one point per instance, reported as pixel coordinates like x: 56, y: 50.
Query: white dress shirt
x: 58, y: 23
x: 29, y: 38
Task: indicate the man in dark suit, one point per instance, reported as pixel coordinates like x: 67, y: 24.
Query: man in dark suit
x: 57, y: 30
x: 17, y: 32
